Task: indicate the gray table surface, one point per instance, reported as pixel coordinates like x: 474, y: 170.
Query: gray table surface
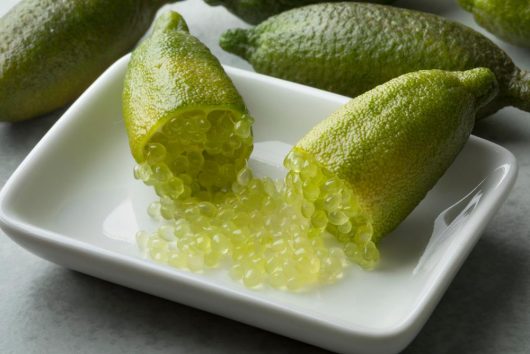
x: 48, y: 309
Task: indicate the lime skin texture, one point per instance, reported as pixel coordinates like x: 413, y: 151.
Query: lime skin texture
x: 169, y: 73
x: 393, y: 143
x: 51, y: 51
x: 350, y: 48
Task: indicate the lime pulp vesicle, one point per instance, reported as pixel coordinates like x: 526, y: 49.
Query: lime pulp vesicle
x: 268, y: 232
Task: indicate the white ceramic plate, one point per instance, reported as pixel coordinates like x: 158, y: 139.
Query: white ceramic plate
x: 74, y: 202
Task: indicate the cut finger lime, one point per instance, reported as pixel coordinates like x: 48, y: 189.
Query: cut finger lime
x: 188, y: 127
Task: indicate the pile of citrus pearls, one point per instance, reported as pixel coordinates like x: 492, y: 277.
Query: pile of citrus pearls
x: 329, y: 202
x: 274, y: 233
x: 195, y: 152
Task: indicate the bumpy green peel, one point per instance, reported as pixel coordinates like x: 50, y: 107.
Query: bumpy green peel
x: 50, y: 51
x: 256, y: 11
x: 393, y: 143
x: 170, y: 73
x: 349, y: 48
x: 349, y: 176
x: 507, y: 19
x: 213, y: 210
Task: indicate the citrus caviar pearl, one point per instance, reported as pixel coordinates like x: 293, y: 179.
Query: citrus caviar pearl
x: 205, y: 146
x: 216, y: 212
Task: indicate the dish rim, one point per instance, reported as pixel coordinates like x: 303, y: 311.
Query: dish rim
x: 432, y: 291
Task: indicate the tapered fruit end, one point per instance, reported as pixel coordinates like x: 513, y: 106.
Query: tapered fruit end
x: 235, y: 41
x: 481, y: 82
x: 170, y: 21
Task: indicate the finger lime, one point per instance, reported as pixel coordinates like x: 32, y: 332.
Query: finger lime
x: 350, y: 48
x: 350, y: 177
x: 51, y: 51
x: 188, y: 127
x: 388, y: 147
x: 355, y: 176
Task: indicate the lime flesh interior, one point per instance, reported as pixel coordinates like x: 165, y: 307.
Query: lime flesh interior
x: 275, y: 233
x: 197, y: 152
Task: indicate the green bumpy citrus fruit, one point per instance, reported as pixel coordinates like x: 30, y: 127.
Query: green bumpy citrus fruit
x: 256, y: 11
x: 51, y: 51
x: 349, y: 48
x: 356, y: 175
x: 393, y: 143
x: 507, y: 19
x: 188, y: 127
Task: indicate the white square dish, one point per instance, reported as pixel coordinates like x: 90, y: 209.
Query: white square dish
x: 74, y: 202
